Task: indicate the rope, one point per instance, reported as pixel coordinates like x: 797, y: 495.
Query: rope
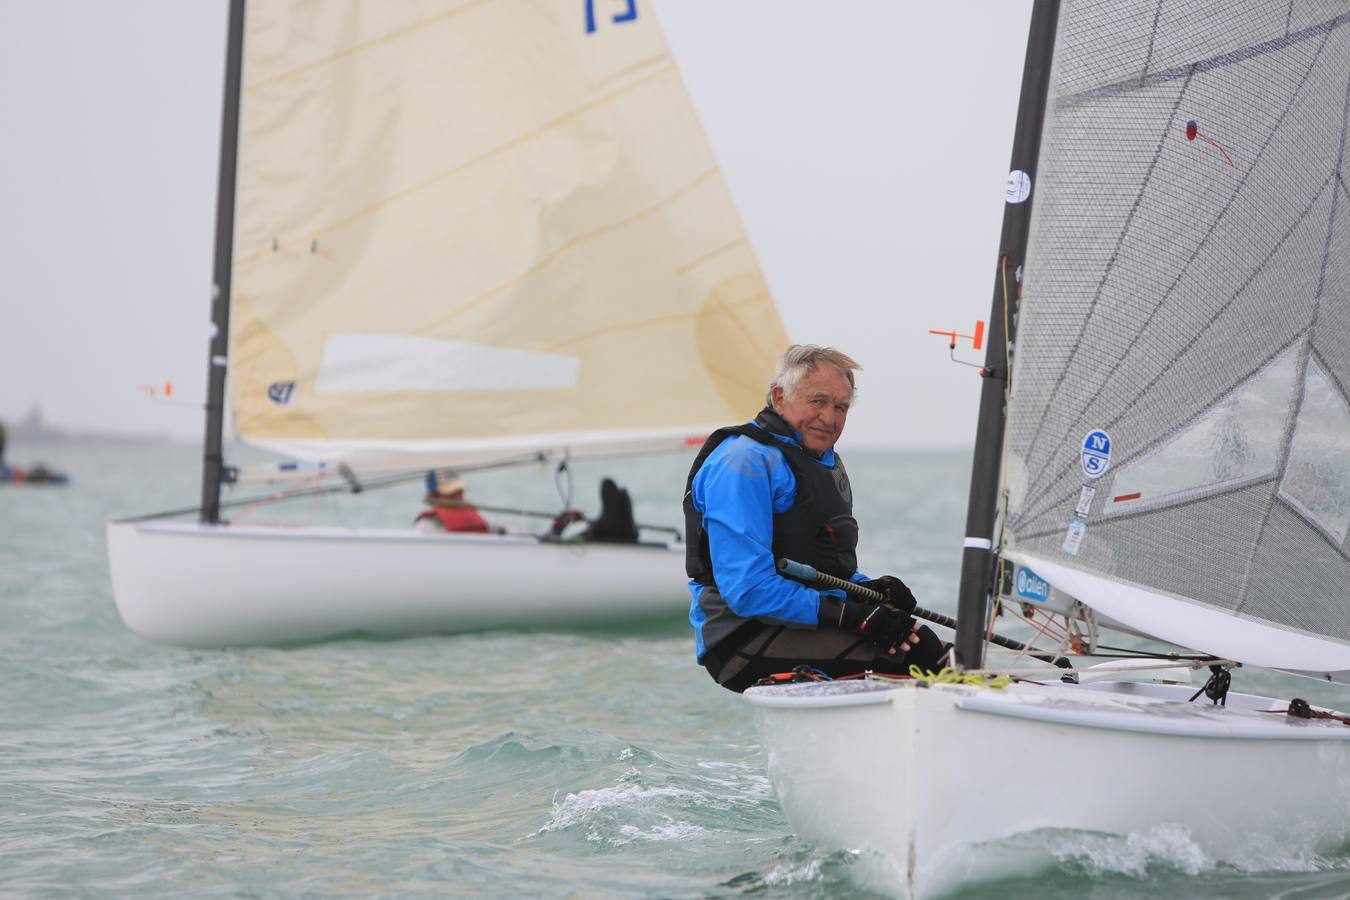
x: 1195, y: 660
x: 1007, y: 344
x: 1062, y: 644
x: 948, y: 675
x: 564, y: 495
x: 294, y: 492
x: 344, y: 488
x: 1301, y: 709
x: 1003, y: 463
x: 1026, y: 674
x: 994, y: 679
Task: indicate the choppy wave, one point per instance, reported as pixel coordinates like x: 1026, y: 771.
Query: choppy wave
x: 1162, y: 861
x: 541, y: 764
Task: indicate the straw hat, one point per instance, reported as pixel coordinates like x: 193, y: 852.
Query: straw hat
x: 444, y: 483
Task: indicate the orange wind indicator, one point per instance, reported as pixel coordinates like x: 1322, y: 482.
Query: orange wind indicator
x: 976, y: 341
x: 155, y: 391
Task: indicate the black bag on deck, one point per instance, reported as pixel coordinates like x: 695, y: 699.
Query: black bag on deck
x: 615, y: 523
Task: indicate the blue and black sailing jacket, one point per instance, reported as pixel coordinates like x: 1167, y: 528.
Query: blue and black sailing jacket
x: 755, y: 495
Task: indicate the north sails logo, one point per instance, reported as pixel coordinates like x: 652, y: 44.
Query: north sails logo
x: 1096, y: 455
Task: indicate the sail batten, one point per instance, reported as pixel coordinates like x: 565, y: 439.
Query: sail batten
x: 1177, y: 415
x: 479, y: 225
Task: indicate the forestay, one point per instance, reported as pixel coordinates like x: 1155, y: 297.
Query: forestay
x: 470, y: 229
x: 1178, y: 443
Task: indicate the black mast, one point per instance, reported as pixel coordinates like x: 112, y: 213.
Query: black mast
x: 977, y: 561
x: 213, y: 461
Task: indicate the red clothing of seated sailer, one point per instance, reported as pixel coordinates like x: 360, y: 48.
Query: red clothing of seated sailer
x: 456, y: 518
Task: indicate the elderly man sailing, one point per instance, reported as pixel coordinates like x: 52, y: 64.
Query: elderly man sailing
x: 776, y: 488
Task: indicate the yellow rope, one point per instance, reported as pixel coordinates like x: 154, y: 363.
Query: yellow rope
x: 949, y: 675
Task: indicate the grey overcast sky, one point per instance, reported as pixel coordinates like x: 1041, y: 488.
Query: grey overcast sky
x: 866, y: 143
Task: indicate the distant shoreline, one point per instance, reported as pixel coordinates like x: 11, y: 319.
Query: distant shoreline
x: 17, y: 439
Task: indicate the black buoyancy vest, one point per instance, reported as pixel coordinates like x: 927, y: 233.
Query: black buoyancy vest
x: 818, y: 529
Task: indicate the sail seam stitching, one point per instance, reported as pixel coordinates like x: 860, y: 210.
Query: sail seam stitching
x: 1300, y: 382
x: 1110, y: 266
x: 1295, y: 508
x: 1200, y: 493
x: 1223, y: 60
x: 644, y: 323
x: 1182, y: 271
x: 1041, y: 510
x: 1152, y: 36
x: 407, y: 192
x: 1162, y: 506
x: 565, y: 248
x: 358, y: 48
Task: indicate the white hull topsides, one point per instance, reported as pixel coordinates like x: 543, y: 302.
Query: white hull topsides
x: 211, y: 586
x: 922, y: 777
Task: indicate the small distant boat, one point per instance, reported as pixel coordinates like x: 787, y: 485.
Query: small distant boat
x: 35, y: 474
x: 486, y: 234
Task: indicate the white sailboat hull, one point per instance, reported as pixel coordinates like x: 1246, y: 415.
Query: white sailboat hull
x: 210, y: 586
x: 924, y: 776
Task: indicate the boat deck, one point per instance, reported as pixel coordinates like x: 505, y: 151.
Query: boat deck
x: 1125, y: 706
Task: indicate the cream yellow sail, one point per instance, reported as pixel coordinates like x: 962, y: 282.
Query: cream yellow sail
x: 471, y: 228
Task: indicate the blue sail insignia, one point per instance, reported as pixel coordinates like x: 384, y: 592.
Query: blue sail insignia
x: 1096, y: 454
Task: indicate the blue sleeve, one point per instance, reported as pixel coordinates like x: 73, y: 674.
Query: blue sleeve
x: 738, y: 489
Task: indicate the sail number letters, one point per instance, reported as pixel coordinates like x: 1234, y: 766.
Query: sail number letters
x: 627, y: 15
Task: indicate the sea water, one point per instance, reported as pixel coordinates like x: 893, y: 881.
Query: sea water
x: 539, y: 763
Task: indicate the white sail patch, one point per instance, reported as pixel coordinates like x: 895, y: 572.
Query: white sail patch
x: 1317, y: 478
x: 1235, y: 442
x: 383, y: 362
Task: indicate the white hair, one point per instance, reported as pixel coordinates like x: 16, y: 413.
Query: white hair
x: 800, y: 360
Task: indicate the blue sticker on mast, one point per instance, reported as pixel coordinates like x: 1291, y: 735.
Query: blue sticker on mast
x: 1096, y: 455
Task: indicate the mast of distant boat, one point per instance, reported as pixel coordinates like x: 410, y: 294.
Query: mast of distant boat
x: 213, y: 459
x: 977, y: 560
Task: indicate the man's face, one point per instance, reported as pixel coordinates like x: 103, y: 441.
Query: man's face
x: 817, y: 408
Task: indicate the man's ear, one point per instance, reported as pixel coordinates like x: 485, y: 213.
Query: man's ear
x: 777, y: 395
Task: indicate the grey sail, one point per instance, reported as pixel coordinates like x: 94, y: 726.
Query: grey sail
x: 1177, y: 452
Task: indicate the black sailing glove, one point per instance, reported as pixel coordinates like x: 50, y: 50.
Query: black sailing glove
x: 887, y: 627
x: 894, y: 592
x: 883, y: 626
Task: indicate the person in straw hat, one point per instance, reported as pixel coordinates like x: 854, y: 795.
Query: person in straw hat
x: 447, y: 509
